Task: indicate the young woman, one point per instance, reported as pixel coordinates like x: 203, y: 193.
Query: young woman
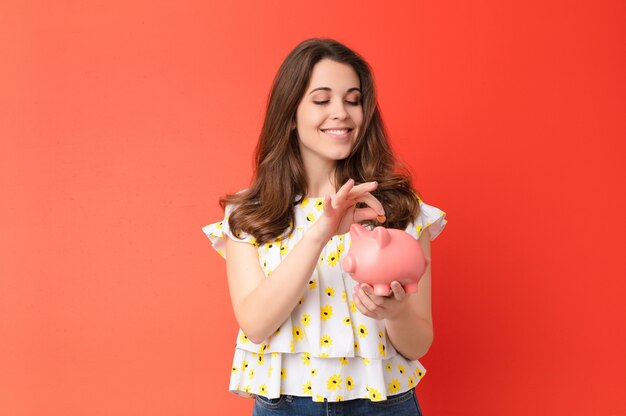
x: 312, y: 339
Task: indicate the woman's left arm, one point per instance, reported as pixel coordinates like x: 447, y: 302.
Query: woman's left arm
x: 408, y: 317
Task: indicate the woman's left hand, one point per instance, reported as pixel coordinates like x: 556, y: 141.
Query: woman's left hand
x: 381, y: 307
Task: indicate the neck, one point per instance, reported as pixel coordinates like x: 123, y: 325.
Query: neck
x: 320, y: 178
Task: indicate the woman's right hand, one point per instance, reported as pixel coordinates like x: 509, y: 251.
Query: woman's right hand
x: 340, y: 209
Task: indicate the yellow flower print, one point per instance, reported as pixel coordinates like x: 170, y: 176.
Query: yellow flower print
x: 234, y: 370
x: 306, y: 358
x: 330, y: 291
x: 394, y: 386
x: 263, y: 390
x: 326, y: 341
x: 347, y: 321
x: 381, y: 349
x: 243, y: 338
x: 260, y: 359
x: 380, y: 334
x: 312, y: 284
x: 326, y: 312
x: 283, y: 249
x: 305, y: 202
x: 333, y: 258
x: 323, y: 355
x: 419, y: 373
x: 244, y: 365
x: 321, y: 259
x: 401, y: 369
x: 253, y: 241
x: 306, y: 319
x: 269, y: 371
x: 319, y: 204
x: 389, y: 367
x: 366, y: 361
x: 306, y: 388
x: 277, y: 331
x: 375, y: 395
x: 283, y: 373
x: 334, y: 382
x: 411, y: 382
x: 339, y: 398
x: 297, y: 333
x: 362, y: 330
x: 343, y: 360
x: 319, y: 398
x: 356, y: 346
x: 251, y: 374
x: 300, y: 301
x: 220, y: 225
x: 340, y: 246
x: 418, y: 228
x: 352, y: 306
x: 247, y: 389
x: 262, y: 348
x: 313, y: 372
x: 269, y: 245
x: 274, y: 354
x: 292, y: 347
x: 349, y: 383
x: 344, y: 296
x: 310, y: 217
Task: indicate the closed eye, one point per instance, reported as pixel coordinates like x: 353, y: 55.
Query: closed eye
x: 355, y: 103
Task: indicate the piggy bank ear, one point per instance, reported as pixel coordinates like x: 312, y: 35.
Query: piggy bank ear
x: 356, y: 230
x: 381, y: 235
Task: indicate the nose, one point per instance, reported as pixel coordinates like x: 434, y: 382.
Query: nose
x: 339, y: 111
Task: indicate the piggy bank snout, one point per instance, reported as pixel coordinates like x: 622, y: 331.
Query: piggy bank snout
x: 348, y: 264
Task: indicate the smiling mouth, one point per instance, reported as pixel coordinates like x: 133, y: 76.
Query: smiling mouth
x: 338, y: 133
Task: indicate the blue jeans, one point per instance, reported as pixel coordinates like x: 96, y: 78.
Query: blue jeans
x: 404, y: 404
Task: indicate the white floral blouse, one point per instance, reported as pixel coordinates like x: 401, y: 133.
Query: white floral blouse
x: 326, y: 349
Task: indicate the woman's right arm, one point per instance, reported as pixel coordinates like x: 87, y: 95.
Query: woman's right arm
x: 262, y: 304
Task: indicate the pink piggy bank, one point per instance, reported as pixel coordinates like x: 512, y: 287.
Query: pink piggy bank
x: 380, y: 256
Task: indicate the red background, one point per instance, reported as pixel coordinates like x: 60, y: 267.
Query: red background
x: 121, y: 125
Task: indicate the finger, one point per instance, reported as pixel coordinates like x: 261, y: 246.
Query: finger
x: 365, y: 214
x: 361, y: 308
x: 370, y: 299
x: 328, y: 206
x: 365, y: 187
x: 397, y: 290
x: 372, y: 202
x: 345, y: 189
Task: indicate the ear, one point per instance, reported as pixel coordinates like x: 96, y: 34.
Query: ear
x: 293, y: 125
x: 357, y: 230
x: 382, y: 236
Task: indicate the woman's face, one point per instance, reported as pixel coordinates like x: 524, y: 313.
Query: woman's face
x: 330, y: 113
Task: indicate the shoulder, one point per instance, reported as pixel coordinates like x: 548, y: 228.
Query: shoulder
x: 429, y: 218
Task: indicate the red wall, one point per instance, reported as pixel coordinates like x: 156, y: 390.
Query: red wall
x: 121, y: 125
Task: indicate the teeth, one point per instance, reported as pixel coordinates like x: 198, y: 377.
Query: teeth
x: 342, y: 131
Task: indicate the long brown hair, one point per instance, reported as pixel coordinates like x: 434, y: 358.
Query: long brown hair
x: 265, y: 209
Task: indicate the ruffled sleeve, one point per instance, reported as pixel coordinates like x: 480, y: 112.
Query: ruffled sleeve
x: 219, y: 231
x: 429, y: 217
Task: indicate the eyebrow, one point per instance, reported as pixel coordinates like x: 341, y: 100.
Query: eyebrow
x: 329, y: 89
